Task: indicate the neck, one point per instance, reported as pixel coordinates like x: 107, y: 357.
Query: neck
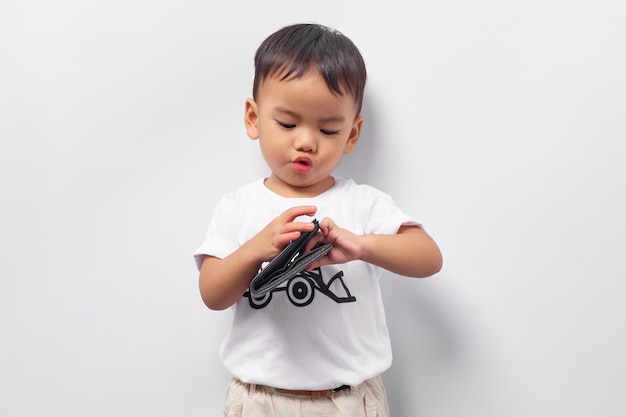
x: 284, y: 189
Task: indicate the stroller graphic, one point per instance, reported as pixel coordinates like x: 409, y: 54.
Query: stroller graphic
x: 301, y: 290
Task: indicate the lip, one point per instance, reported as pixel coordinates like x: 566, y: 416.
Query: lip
x: 302, y: 165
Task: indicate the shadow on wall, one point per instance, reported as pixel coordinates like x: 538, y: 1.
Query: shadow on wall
x: 426, y: 341
x: 428, y: 346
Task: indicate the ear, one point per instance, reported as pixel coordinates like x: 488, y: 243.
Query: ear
x: 355, y: 133
x: 251, y: 118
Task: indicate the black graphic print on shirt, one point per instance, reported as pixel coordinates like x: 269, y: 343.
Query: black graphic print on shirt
x: 301, y: 290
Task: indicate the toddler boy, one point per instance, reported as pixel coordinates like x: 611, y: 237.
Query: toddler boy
x: 317, y: 344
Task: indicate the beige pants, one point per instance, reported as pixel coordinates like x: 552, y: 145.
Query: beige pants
x: 365, y: 400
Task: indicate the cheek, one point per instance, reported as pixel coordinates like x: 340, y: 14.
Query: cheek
x: 269, y: 149
x: 333, y: 156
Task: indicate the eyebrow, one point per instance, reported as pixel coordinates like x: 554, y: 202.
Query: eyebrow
x: 297, y: 116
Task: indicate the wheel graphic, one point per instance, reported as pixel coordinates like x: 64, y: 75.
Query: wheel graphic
x: 300, y: 291
x: 260, y: 302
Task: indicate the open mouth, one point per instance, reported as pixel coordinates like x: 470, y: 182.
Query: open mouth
x: 302, y: 164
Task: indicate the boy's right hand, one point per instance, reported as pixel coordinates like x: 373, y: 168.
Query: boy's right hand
x: 279, y: 232
x: 223, y: 281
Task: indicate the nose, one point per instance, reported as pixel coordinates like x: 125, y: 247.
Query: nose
x: 305, y: 141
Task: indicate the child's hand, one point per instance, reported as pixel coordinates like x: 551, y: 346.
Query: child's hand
x: 223, y: 281
x: 346, y: 245
x: 268, y: 243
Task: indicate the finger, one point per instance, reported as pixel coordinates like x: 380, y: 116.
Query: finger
x: 284, y: 239
x: 292, y: 213
x: 296, y: 227
x: 326, y: 226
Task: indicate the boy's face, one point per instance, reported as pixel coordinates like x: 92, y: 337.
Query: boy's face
x: 303, y: 130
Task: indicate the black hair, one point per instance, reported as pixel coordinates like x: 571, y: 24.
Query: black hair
x: 293, y: 50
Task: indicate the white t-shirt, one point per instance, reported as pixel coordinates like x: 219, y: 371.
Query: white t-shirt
x: 324, y: 328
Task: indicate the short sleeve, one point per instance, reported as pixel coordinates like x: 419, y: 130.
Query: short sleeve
x: 221, y: 238
x: 385, y: 217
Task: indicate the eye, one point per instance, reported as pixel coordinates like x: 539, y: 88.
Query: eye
x: 285, y: 125
x: 329, y: 132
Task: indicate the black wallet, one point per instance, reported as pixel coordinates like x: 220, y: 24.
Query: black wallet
x: 289, y: 263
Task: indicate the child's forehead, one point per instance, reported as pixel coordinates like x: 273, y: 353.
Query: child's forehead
x: 308, y: 94
x: 284, y: 81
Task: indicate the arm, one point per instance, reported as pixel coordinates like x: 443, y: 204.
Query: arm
x: 410, y: 252
x: 223, y: 281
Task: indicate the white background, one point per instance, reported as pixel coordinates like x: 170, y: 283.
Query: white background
x: 500, y: 125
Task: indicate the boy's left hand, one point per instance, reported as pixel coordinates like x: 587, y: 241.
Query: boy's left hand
x: 410, y: 251
x: 346, y: 245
